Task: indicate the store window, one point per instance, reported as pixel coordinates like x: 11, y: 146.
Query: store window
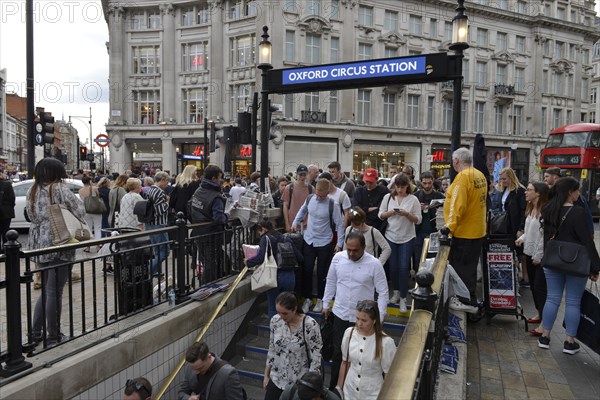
x: 195, y: 56
x: 146, y: 105
x: 242, y: 50
x: 297, y: 151
x: 240, y: 98
x: 194, y: 105
x: 382, y: 156
x: 146, y: 60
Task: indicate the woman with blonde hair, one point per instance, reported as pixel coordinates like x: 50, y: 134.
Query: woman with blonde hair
x: 376, y: 245
x: 127, y: 218
x: 186, y: 184
x: 114, y: 197
x: 367, y: 354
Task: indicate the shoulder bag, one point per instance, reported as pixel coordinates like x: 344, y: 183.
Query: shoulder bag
x: 385, y: 222
x: 65, y: 227
x: 265, y: 275
x: 499, y: 223
x: 94, y: 204
x: 566, y: 257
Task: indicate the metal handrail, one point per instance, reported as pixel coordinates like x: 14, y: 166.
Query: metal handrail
x: 400, y: 382
x: 213, y: 316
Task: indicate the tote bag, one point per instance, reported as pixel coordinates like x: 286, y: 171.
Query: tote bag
x: 64, y: 226
x: 94, y: 204
x: 265, y: 275
x: 588, y: 332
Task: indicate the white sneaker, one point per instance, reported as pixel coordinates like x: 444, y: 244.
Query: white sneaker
x: 457, y: 305
x: 395, y: 297
x: 306, y: 305
x: 318, y: 307
x: 402, y: 305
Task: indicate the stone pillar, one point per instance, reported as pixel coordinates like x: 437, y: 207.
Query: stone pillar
x: 347, y: 98
x: 168, y: 63
x: 168, y: 153
x: 117, y: 64
x: 218, y: 97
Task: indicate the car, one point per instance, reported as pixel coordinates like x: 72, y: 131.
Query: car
x: 21, y: 189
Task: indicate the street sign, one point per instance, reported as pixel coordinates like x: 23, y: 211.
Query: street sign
x: 102, y: 140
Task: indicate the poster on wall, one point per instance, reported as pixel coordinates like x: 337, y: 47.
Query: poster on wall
x: 496, y: 160
x: 501, y: 275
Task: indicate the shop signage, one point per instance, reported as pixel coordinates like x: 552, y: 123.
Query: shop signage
x: 197, y: 154
x: 439, y: 155
x: 246, y: 150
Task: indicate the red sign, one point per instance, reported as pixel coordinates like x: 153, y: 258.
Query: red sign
x: 102, y: 140
x: 198, y: 151
x: 246, y: 151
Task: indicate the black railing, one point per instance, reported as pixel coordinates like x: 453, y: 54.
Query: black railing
x: 94, y: 299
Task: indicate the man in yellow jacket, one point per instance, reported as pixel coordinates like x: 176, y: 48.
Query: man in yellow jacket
x: 465, y: 216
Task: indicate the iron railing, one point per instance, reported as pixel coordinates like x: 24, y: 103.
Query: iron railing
x: 95, y: 299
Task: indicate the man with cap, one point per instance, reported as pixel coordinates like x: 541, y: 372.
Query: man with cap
x: 369, y: 197
x: 294, y: 196
x: 551, y: 175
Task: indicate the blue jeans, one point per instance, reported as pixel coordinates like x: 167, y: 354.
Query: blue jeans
x: 400, y: 264
x: 286, y: 281
x: 161, y: 252
x: 50, y: 308
x: 573, y: 287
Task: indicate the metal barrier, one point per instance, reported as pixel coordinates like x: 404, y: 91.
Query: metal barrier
x: 98, y: 300
x: 414, y: 370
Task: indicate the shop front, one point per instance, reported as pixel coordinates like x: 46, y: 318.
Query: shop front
x: 383, y: 156
x: 189, y: 154
x: 440, y: 159
x: 241, y: 161
x: 317, y: 151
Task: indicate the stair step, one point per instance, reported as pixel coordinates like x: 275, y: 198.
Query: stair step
x: 254, y: 347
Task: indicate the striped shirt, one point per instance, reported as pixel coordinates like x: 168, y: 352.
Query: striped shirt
x: 161, y: 207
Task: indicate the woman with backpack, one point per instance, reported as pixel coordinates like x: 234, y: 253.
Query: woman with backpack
x: 376, y: 245
x: 278, y: 244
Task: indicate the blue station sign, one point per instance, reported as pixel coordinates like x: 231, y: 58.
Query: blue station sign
x: 435, y: 67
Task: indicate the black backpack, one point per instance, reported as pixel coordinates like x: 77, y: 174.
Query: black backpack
x: 286, y: 257
x: 144, y: 209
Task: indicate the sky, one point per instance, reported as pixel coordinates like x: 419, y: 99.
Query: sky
x: 70, y: 58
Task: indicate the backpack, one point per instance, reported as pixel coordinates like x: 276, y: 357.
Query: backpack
x: 286, y: 257
x: 291, y: 190
x: 331, y: 205
x: 144, y: 210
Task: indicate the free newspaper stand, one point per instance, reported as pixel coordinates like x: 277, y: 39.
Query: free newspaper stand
x: 499, y: 266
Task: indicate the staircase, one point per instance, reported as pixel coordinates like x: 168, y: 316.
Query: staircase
x: 249, y: 355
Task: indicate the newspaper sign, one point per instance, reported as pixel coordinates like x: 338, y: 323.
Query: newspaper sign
x: 502, y: 291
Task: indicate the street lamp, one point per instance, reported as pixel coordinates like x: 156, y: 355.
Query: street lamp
x: 460, y: 34
x: 264, y: 64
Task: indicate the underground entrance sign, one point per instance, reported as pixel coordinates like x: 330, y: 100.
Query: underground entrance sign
x: 379, y: 72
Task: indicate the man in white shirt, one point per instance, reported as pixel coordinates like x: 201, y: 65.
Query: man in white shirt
x: 354, y: 275
x: 339, y: 196
x: 237, y: 190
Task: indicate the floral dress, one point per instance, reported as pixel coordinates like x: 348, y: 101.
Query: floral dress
x: 287, y: 350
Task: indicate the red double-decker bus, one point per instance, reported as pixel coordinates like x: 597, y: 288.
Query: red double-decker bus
x: 575, y: 149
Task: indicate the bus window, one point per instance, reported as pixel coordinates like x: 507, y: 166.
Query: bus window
x: 595, y: 139
x: 576, y: 139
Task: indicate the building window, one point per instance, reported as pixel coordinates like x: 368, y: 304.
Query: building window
x: 482, y: 37
x: 479, y: 117
x: 335, y: 9
x: 187, y: 17
x: 313, y: 7
x: 572, y: 52
x: 447, y: 115
x: 593, y: 95
x: 195, y: 57
x: 569, y: 117
x: 311, y: 101
x: 289, y: 105
x: 463, y: 115
x: 412, y: 112
x: 290, y: 45
x: 501, y: 41
x: 146, y: 105
x: 242, y: 50
x: 521, y: 7
x: 415, y: 25
x: 481, y: 72
x: 545, y: 81
x: 365, y: 51
x: 146, y: 60
x: 333, y: 105
x: 558, y: 84
x: 559, y: 49
x: 430, y: 111
x: 586, y: 56
x: 556, y: 118
x: 570, y: 85
x: 335, y: 50
x: 546, y: 48
x: 150, y: 19
x: 447, y: 31
x: 544, y: 116
x: 433, y: 28
x: 365, y: 16
x: 592, y: 117
x: 313, y: 48
x: 560, y: 13
x: 465, y: 69
x: 500, y: 74
x: 194, y: 106
x: 499, y: 119
x: 390, y: 20
x: 154, y: 20
x: 518, y: 120
x: 503, y: 4
x: 390, y: 52
x: 363, y: 114
x: 389, y: 109
x: 520, y: 44
x: 242, y: 9
x: 241, y: 97
x: 519, y: 79
x: 195, y: 15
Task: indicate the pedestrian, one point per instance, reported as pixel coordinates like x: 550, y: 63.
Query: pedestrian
x: 208, y: 377
x: 313, y: 172
x: 92, y: 218
x: 237, y: 190
x: 294, y: 346
x: 104, y: 192
x: 7, y: 206
x: 114, y: 198
x: 127, y: 218
x: 354, y: 274
x: 367, y: 354
x: 160, y: 203
x: 465, y: 216
x: 402, y: 211
x: 340, y: 179
x: 375, y: 243
x: 278, y: 199
x: 532, y: 242
x: 562, y: 221
x: 308, y: 387
x: 137, y: 389
x: 369, y: 197
x: 48, y: 189
x: 186, y: 184
x: 340, y: 197
x: 294, y: 196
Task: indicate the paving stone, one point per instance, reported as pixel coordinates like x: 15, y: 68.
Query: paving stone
x: 506, y: 354
x: 491, y: 386
x: 488, y: 358
x: 489, y: 371
x: 534, y: 380
x: 513, y: 381
x: 473, y: 391
x: 491, y: 396
x: 525, y: 354
x: 554, y: 376
x: 530, y: 366
x: 515, y: 394
x: 537, y: 393
x: 473, y: 374
x: 507, y: 367
x: 559, y: 391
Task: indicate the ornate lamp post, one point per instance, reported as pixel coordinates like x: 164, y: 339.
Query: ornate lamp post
x: 264, y: 64
x: 460, y: 34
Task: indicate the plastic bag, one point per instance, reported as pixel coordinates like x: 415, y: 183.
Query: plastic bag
x: 454, y: 285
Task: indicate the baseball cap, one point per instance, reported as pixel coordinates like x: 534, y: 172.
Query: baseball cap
x: 370, y: 175
x: 553, y: 171
x: 302, y: 169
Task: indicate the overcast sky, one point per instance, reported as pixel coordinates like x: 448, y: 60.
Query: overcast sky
x: 71, y: 60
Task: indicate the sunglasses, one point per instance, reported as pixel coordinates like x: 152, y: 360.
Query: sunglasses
x: 366, y: 305
x: 137, y: 386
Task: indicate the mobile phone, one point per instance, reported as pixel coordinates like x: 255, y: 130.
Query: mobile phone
x: 396, y: 209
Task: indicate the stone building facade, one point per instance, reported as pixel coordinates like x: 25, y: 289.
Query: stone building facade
x: 172, y: 64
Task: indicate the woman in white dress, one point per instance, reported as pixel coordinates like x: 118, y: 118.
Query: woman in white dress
x: 367, y: 354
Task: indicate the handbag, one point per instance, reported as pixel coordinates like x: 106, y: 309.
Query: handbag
x: 588, y: 331
x: 94, y: 204
x: 265, y: 275
x: 64, y: 225
x: 499, y: 223
x: 566, y: 257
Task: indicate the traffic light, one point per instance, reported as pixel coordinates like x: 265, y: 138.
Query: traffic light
x: 83, y: 153
x: 245, y: 127
x: 213, y: 137
x: 44, y: 129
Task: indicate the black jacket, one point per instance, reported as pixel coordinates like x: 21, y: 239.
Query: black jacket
x: 365, y: 198
x: 515, y: 208
x: 7, y: 200
x: 181, y: 195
